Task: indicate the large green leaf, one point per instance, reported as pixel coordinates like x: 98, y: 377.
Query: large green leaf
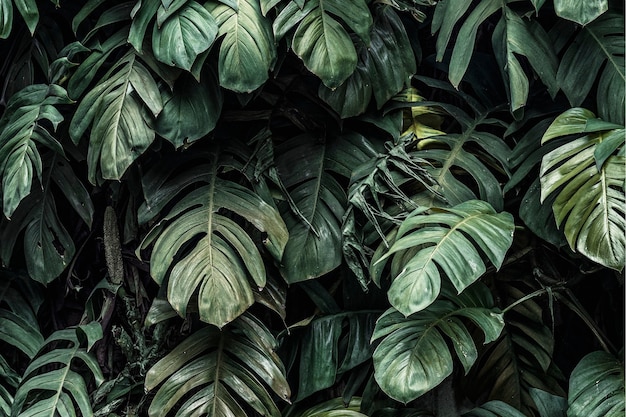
x: 385, y: 65
x: 514, y: 37
x: 589, y: 195
x: 48, y: 247
x: 445, y: 240
x: 247, y: 51
x: 413, y: 356
x: 580, y: 11
x: 308, y: 167
x: 329, y: 346
x: 600, y: 45
x: 197, y: 247
x: 118, y: 109
x: 18, y: 320
x: 20, y: 131
x: 224, y: 369
x: 51, y: 386
x: 521, y: 359
x: 596, y: 387
x: 184, y: 35
x: 190, y: 110
x: 457, y: 165
x: 321, y: 40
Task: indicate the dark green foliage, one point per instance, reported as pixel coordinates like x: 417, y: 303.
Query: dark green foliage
x: 312, y: 208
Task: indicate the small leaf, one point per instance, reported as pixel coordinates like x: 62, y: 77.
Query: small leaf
x: 580, y: 11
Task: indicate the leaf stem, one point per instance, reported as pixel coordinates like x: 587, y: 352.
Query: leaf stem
x: 533, y: 294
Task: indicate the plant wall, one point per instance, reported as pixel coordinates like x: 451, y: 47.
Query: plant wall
x: 312, y: 208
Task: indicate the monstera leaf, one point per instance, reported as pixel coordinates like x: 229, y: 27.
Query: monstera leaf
x: 596, y: 387
x: 247, y: 51
x: 455, y: 160
x: 330, y: 346
x: 309, y: 169
x: 50, y: 385
x: 197, y: 246
x: 48, y: 246
x: 118, y: 109
x: 413, y: 356
x: 320, y: 40
x: 22, y: 127
x: 385, y: 65
x: 512, y: 37
x: 224, y: 368
x: 190, y: 110
x: 184, y: 35
x: 587, y: 176
x: 448, y: 240
x: 521, y: 359
x: 600, y: 46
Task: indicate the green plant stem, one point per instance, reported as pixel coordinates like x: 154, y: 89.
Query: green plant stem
x: 533, y: 294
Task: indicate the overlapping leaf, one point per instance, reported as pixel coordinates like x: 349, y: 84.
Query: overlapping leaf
x: 512, y: 36
x: 330, y: 346
x: 118, y: 109
x: 27, y: 8
x: 22, y: 127
x: 50, y: 385
x: 413, y: 356
x: 48, y: 246
x: 224, y: 369
x: 247, y: 51
x: 596, y: 387
x: 320, y: 38
x: 458, y: 167
x: 184, y: 35
x: 190, y: 110
x: 587, y: 176
x: 377, y: 196
x: 600, y: 45
x: 310, y: 169
x: 494, y: 408
x: 446, y: 240
x: 521, y: 359
x: 385, y: 65
x: 197, y: 246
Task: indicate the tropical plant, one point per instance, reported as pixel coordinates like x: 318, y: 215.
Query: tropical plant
x: 312, y: 208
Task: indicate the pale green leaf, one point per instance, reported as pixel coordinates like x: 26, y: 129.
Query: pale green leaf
x: 589, y: 201
x: 582, y: 12
x: 196, y: 248
x: 20, y: 132
x: 413, y: 356
x: 247, y: 51
x: 119, y: 119
x: 447, y: 240
x: 239, y: 359
x: 184, y: 36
